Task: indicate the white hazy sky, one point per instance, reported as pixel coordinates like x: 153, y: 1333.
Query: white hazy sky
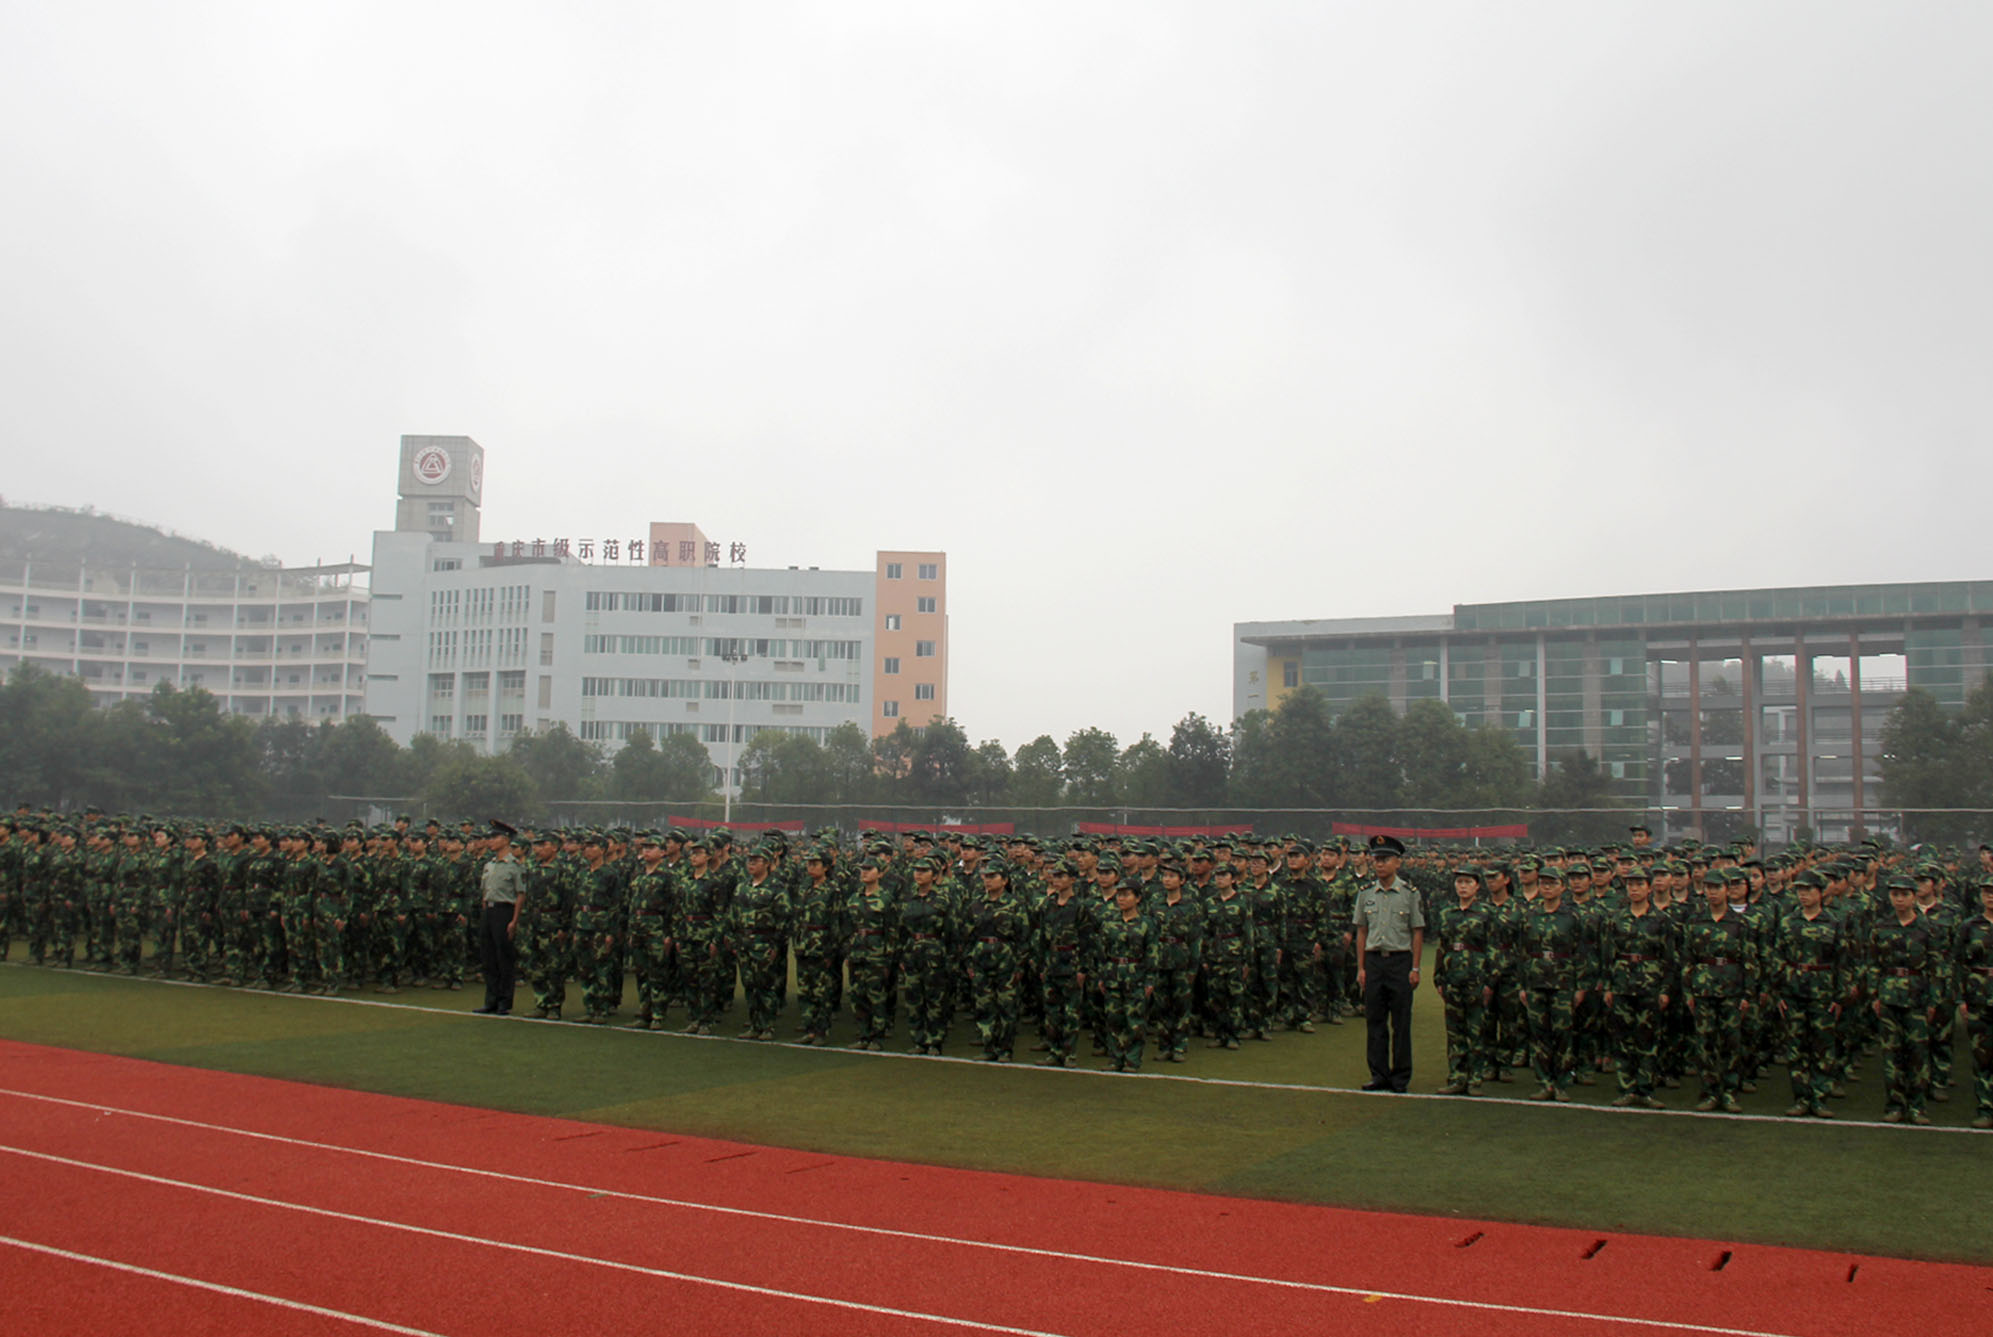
x: 1155, y: 316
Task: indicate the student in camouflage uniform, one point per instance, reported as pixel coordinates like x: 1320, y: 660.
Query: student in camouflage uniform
x: 874, y: 918
x: 1641, y: 954
x: 1552, y: 945
x: 1303, y: 908
x: 1060, y: 951
x: 1944, y: 920
x: 598, y: 932
x: 1719, y: 981
x: 929, y: 940
x: 1465, y: 944
x: 1127, y: 962
x: 1972, y: 955
x: 547, y: 947
x: 330, y: 882
x: 653, y: 903
x: 1180, y: 943
x: 757, y: 923
x: 1228, y: 952
x: 1263, y: 985
x: 1810, y: 964
x: 817, y: 931
x: 131, y: 895
x: 995, y: 933
x: 1904, y: 956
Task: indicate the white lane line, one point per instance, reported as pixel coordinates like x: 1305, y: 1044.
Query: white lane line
x: 1516, y: 1102
x: 556, y: 1254
x: 299, y: 1305
x: 888, y: 1232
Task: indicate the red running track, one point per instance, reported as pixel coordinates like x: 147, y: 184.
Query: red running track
x: 141, y: 1197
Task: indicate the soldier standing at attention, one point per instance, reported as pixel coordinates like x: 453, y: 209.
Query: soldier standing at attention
x: 928, y: 933
x: 1127, y: 964
x: 758, y: 926
x: 1972, y: 954
x: 1810, y: 969
x: 1640, y: 962
x: 1390, y: 929
x: 653, y: 900
x: 1904, y: 956
x: 503, y: 892
x: 1463, y: 970
x: 816, y: 932
x: 875, y: 927
x: 1717, y: 968
x: 1550, y: 943
x: 1060, y: 916
x: 996, y: 929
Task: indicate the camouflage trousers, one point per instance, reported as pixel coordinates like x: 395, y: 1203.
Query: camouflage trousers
x: 763, y: 973
x: 128, y: 932
x: 1299, y: 977
x: 599, y: 963
x: 1637, y: 1022
x: 300, y: 942
x: 271, y: 956
x: 1719, y: 1045
x: 1511, y: 1025
x: 1979, y: 1037
x: 1906, y: 1057
x: 1061, y: 1022
x: 1170, y: 1010
x: 1263, y: 990
x: 872, y: 995
x: 200, y: 943
x: 241, y: 945
x: 993, y: 1003
x: 390, y: 947
x: 1549, y: 1014
x: 97, y: 933
x: 1470, y: 1049
x: 329, y: 922
x: 928, y: 981
x: 549, y: 961
x: 816, y: 991
x: 655, y: 965
x: 1810, y: 1027
x: 50, y: 931
x: 1944, y: 1037
x: 1125, y: 1008
x: 709, y: 981
x: 447, y: 958
x: 10, y: 928
x: 1225, y: 985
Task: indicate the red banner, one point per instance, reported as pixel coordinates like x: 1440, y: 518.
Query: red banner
x: 1436, y: 832
x: 960, y: 828
x: 1112, y: 829
x: 704, y: 825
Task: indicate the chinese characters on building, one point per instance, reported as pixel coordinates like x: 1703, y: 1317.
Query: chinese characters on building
x: 621, y: 552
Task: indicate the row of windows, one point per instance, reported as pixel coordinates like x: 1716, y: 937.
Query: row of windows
x: 766, y: 605
x: 921, y: 650
x: 1731, y: 606
x: 928, y: 571
x: 923, y: 691
x: 719, y: 689
x: 602, y: 731
x: 640, y: 645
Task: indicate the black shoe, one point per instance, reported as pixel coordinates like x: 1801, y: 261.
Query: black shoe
x: 486, y: 1011
x: 1375, y: 1086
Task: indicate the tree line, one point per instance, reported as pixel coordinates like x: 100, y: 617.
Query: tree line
x: 1935, y: 758
x: 177, y: 751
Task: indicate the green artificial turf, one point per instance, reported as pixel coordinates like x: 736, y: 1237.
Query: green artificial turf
x: 1907, y: 1192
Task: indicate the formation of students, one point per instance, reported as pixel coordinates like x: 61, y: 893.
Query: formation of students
x: 1657, y: 966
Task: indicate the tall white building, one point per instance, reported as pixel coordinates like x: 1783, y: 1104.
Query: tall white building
x: 265, y: 640
x: 482, y: 641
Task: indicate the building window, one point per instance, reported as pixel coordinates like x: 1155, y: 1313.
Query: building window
x: 474, y: 725
x: 443, y: 564
x: 892, y: 622
x: 889, y: 709
x: 930, y: 570
x: 439, y: 725
x: 923, y: 649
x: 923, y: 691
x: 1290, y: 674
x: 892, y: 571
x: 511, y: 723
x: 927, y: 602
x: 892, y: 666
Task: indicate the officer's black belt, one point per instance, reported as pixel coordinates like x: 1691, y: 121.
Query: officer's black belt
x: 1379, y: 951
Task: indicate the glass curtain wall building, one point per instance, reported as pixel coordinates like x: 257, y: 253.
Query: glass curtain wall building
x: 1713, y: 710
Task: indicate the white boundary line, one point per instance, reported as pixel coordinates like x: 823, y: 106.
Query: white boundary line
x: 1517, y: 1102
x: 215, y: 1286
x: 533, y: 1249
x: 1210, y: 1274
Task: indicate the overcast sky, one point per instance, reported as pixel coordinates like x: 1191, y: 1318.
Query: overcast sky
x: 1155, y: 317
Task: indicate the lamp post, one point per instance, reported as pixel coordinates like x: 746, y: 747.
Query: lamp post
x: 734, y: 657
